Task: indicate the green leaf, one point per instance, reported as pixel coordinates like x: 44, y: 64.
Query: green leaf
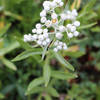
x: 47, y: 97
x: 4, y: 30
x: 87, y: 26
x: 52, y: 91
x: 27, y: 54
x: 35, y: 83
x: 63, y: 75
x: 9, y: 64
x: 46, y: 72
x: 23, y: 44
x: 8, y: 49
x: 89, y: 5
x: 63, y: 61
x: 35, y: 90
x: 75, y: 54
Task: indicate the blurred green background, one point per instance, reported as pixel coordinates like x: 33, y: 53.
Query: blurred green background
x: 18, y: 17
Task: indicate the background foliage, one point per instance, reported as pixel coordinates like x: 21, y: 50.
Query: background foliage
x: 18, y: 17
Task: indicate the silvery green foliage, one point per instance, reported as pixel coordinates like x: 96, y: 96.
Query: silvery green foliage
x: 49, y: 30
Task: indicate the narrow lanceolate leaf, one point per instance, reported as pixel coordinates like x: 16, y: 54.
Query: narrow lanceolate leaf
x: 46, y: 72
x: 4, y: 29
x: 35, y: 83
x: 27, y: 54
x: 23, y: 44
x: 52, y: 91
x: 35, y: 90
x: 87, y: 26
x: 9, y: 64
x: 63, y: 61
x: 63, y: 75
x: 8, y: 49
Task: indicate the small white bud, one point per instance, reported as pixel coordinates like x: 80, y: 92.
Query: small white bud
x: 39, y: 42
x: 34, y: 30
x: 73, y: 29
x: 74, y: 12
x: 48, y: 23
x: 76, y: 23
x: 55, y: 50
x: 63, y: 16
x: 45, y: 35
x: 43, y: 19
x: 59, y: 35
x: 43, y: 13
x: 46, y: 8
x: 70, y: 35
x: 39, y: 31
x: 35, y: 36
x: 44, y: 43
x: 38, y: 26
x: 48, y: 40
x: 59, y: 47
x: 54, y: 16
x: 40, y: 37
x: 45, y: 30
x: 61, y: 28
x: 61, y: 4
x: 76, y: 33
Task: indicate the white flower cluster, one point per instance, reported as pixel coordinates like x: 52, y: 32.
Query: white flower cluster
x: 43, y: 35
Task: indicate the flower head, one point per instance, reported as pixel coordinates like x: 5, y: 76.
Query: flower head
x: 52, y: 29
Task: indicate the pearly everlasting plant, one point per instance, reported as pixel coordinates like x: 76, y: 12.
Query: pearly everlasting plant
x: 54, y: 27
x: 52, y: 35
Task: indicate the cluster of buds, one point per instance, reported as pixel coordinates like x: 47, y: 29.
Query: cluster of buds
x: 50, y: 30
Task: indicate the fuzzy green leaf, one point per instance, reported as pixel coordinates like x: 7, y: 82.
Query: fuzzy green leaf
x: 63, y: 75
x: 9, y: 64
x: 63, y: 61
x: 27, y: 54
x: 35, y: 83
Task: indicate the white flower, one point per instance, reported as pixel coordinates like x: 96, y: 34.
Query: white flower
x: 55, y: 50
x: 69, y: 26
x: 41, y: 37
x: 48, y: 40
x: 46, y: 3
x: 43, y: 19
x: 39, y: 31
x: 58, y: 1
x: 54, y: 16
x: 39, y: 42
x: 61, y: 4
x: 45, y: 30
x: 44, y: 43
x: 56, y: 43
x: 48, y: 23
x: 70, y: 35
x: 76, y: 23
x: 46, y: 8
x: 43, y: 13
x: 59, y: 35
x: 63, y: 16
x: 53, y: 4
x: 76, y: 33
x: 45, y: 35
x: 73, y: 29
x: 61, y: 28
x: 34, y: 30
x: 59, y: 47
x: 74, y: 12
x: 65, y: 47
x: 38, y: 26
x: 35, y: 36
